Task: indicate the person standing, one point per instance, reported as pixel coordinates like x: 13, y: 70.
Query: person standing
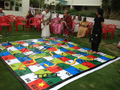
x: 95, y: 37
x: 46, y: 16
x: 67, y: 21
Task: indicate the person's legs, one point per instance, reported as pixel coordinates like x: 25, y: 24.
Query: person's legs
x: 94, y: 46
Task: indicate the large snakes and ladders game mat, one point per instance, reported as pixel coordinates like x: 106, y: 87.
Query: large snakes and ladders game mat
x: 49, y: 64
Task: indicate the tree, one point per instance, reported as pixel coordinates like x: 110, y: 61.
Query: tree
x: 115, y: 4
x: 106, y: 4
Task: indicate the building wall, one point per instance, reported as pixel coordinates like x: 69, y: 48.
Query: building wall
x: 79, y: 2
x: 22, y: 12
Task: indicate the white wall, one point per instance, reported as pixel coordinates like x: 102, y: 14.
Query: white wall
x: 80, y: 2
x: 23, y: 12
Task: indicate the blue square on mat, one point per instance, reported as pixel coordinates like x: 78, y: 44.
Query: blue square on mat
x: 5, y: 54
x: 73, y: 70
x: 105, y: 58
x: 64, y: 50
x: 47, y: 62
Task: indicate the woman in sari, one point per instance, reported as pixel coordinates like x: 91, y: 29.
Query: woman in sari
x: 83, y: 28
x: 46, y: 15
x: 57, y: 25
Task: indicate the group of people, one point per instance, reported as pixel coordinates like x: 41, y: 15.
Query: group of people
x: 65, y: 24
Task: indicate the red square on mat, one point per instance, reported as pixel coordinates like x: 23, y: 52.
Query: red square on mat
x: 38, y: 84
x: 59, y: 44
x: 29, y: 63
x: 8, y: 57
x: 36, y: 45
x: 54, y: 69
x: 52, y: 49
x: 90, y: 56
x: 70, y: 52
x: 64, y: 59
x: 21, y: 42
x: 75, y: 47
x: 24, y: 50
x: 88, y: 64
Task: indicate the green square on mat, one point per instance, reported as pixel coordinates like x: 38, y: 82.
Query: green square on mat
x: 40, y: 60
x: 23, y: 72
x: 53, y: 80
x: 95, y: 62
x: 71, y: 57
x: 19, y: 55
x: 63, y: 66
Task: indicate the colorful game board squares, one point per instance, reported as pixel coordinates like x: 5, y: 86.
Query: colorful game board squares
x: 24, y: 50
x: 80, y: 61
x: 47, y: 62
x: 5, y: 54
x: 38, y: 84
x: 14, y: 52
x: 108, y: 56
x: 90, y: 56
x: 82, y: 50
x: 64, y: 74
x: 19, y: 55
x: 88, y: 64
x: 12, y: 48
x: 20, y: 47
x: 52, y: 81
x: 63, y: 66
x: 6, y: 44
x: 73, y: 70
x: 64, y: 59
x: 42, y: 72
x: 23, y: 72
x: 95, y: 62
x: 23, y: 59
x: 16, y: 66
x: 100, y: 60
x: 21, y: 42
x: 59, y: 44
x: 52, y: 49
x: 71, y: 57
x: 64, y: 50
x: 56, y: 60
x: 12, y: 61
x: 36, y: 45
x: 58, y: 52
x: 8, y: 57
x: 71, y: 61
x: 40, y: 60
x: 54, y: 69
x: 35, y: 68
x: 81, y: 67
x: 29, y: 63
x: 86, y: 49
x: 102, y: 54
x: 70, y: 45
x: 75, y: 47
x: 29, y: 53
x: 105, y: 58
x: 70, y: 52
x: 57, y: 56
x: 28, y: 78
x: 48, y: 58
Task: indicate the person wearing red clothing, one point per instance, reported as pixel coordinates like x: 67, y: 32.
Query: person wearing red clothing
x: 67, y: 20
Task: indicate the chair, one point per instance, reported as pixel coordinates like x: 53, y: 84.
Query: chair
x: 89, y: 29
x: 20, y: 21
x: 111, y: 28
x: 12, y: 18
x: 34, y: 22
x: 5, y: 21
x: 73, y: 27
x: 104, y: 29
